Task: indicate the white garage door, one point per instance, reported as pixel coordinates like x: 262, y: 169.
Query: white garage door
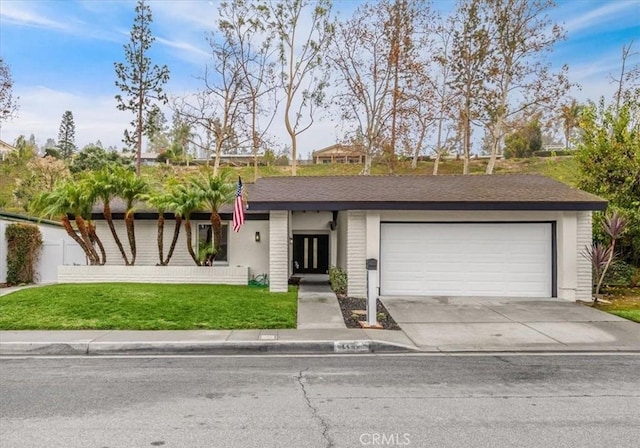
x: 493, y: 259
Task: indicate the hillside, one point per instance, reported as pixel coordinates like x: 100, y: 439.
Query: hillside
x: 563, y: 169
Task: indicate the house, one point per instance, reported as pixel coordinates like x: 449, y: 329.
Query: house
x: 514, y: 235
x: 337, y: 153
x: 238, y: 159
x: 5, y: 150
x: 58, y: 248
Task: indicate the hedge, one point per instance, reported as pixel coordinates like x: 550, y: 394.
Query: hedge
x: 24, y: 243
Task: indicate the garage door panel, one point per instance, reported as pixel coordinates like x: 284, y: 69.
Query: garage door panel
x: 510, y: 259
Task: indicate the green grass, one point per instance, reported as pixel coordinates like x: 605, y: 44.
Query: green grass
x: 136, y: 306
x: 623, y: 302
x: 633, y: 315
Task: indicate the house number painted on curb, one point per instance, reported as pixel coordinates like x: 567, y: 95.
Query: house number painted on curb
x: 340, y: 347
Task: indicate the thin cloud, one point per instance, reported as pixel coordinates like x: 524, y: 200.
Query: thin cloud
x: 193, y: 53
x: 15, y: 13
x: 597, y: 17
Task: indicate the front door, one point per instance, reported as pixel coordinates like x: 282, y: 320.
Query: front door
x: 310, y: 254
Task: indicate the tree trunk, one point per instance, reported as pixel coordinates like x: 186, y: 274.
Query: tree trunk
x: 84, y: 232
x: 139, y: 127
x: 495, y: 140
x: 216, y: 163
x: 66, y: 224
x: 160, y: 237
x: 294, y: 154
x: 187, y: 228
x: 174, y: 241
x: 493, y: 157
x: 131, y: 235
x: 255, y: 141
x: 287, y: 109
x: 466, y: 142
x: 416, y: 153
x: 109, y: 218
x: 436, y: 163
x: 96, y: 240
x: 216, y: 226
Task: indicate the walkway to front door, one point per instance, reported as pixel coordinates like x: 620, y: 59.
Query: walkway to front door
x: 310, y: 254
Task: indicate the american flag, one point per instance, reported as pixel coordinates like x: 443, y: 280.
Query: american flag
x: 238, y: 208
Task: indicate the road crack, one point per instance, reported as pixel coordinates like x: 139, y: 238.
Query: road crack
x: 324, y: 425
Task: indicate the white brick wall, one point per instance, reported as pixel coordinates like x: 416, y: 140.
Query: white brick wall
x: 219, y: 275
x: 584, y: 239
x: 146, y: 242
x: 278, y: 250
x: 356, y: 254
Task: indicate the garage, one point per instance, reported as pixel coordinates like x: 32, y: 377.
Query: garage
x: 467, y: 259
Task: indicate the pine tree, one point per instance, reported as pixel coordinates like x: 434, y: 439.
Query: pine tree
x: 66, y: 136
x: 141, y: 82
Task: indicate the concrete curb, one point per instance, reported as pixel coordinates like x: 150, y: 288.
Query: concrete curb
x: 200, y: 348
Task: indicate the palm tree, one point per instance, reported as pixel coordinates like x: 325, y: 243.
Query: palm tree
x: 104, y: 186
x: 131, y: 188
x: 172, y: 194
x: 163, y: 199
x: 215, y: 191
x: 186, y: 199
x: 71, y: 198
x: 570, y: 115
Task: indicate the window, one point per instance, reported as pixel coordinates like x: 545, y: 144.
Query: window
x: 205, y: 244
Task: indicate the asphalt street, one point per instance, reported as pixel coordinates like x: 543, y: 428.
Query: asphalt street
x: 325, y: 401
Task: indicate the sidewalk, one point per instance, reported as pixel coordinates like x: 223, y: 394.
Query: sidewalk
x: 321, y: 330
x: 429, y: 325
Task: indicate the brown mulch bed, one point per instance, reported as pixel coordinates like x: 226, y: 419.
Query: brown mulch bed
x: 353, y: 312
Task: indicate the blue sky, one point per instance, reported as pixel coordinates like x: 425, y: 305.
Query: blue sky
x: 61, y: 54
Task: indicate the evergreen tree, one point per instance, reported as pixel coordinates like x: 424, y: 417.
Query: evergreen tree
x: 140, y: 81
x: 66, y: 136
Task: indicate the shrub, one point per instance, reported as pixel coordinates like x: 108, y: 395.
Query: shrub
x: 620, y: 274
x: 602, y: 255
x: 24, y: 242
x: 338, y: 280
x: 554, y: 153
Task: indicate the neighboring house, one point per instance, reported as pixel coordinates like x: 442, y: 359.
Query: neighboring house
x: 146, y: 158
x: 58, y: 248
x: 238, y: 159
x: 337, y: 153
x: 5, y: 149
x: 502, y: 235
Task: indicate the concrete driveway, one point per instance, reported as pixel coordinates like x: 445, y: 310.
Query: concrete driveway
x: 510, y: 324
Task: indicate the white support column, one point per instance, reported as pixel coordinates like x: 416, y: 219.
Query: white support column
x: 567, y: 256
x: 356, y: 254
x: 584, y: 239
x: 278, y: 250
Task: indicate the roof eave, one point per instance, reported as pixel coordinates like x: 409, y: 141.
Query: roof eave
x: 434, y: 206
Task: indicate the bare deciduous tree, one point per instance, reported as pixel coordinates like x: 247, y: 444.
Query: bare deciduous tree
x: 519, y: 77
x: 470, y: 51
x: 360, y: 55
x: 375, y: 55
x: 444, y: 96
x: 8, y: 105
x: 251, y: 44
x: 301, y: 43
x: 218, y: 108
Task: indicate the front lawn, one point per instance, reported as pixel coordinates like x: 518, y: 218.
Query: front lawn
x: 625, y: 302
x: 138, y: 306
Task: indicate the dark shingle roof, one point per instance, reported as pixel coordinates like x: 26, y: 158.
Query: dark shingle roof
x: 450, y: 192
